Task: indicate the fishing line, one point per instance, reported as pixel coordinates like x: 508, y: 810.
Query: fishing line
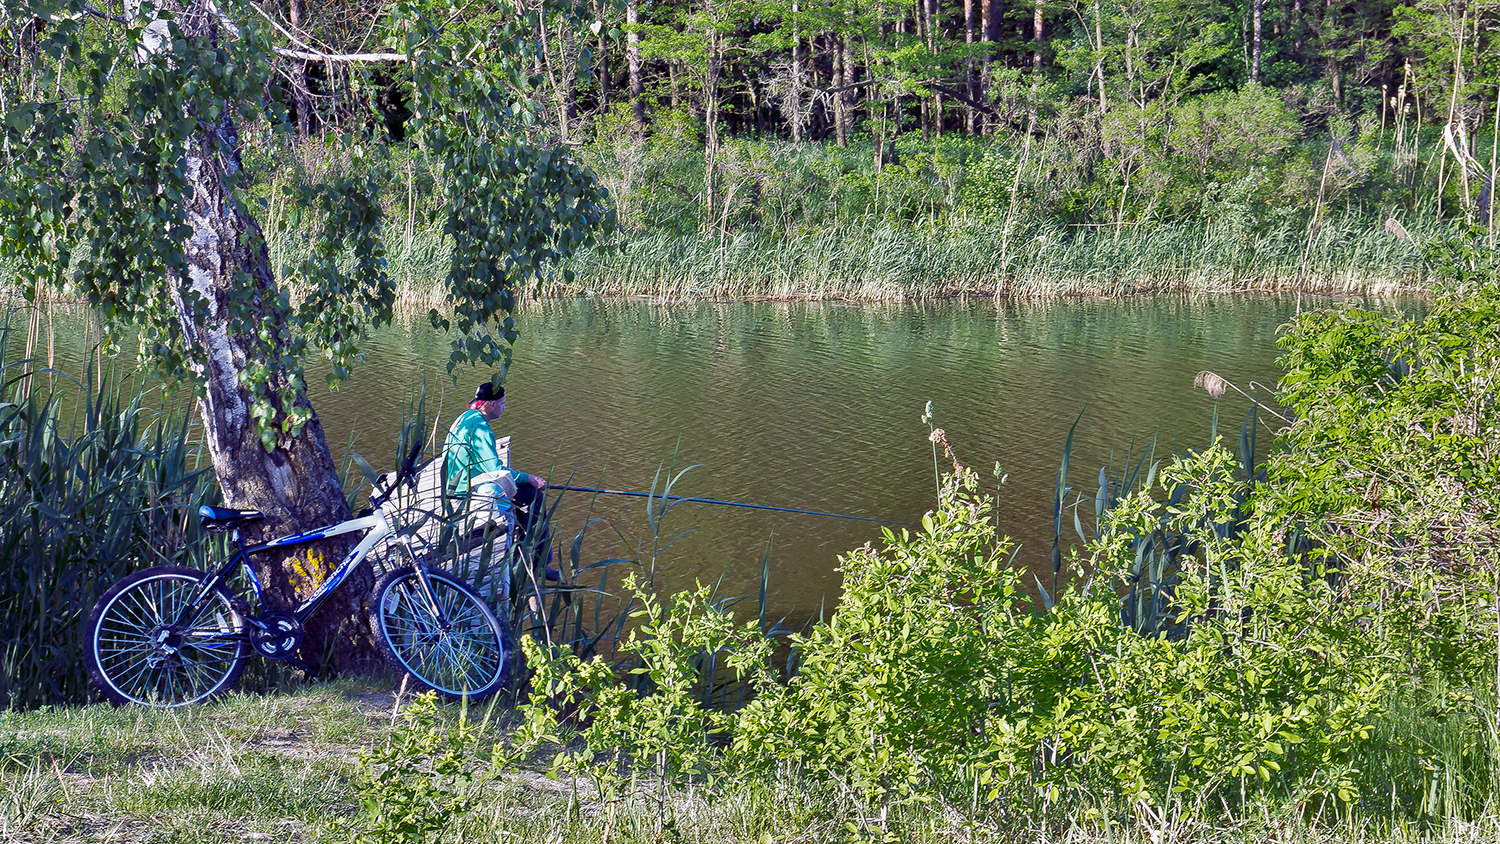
x: 732, y: 504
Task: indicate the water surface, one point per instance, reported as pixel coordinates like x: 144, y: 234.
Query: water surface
x: 817, y: 406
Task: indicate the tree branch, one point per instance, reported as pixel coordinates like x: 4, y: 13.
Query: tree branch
x: 315, y: 56
x: 839, y: 88
x: 307, y: 53
x: 98, y: 14
x: 932, y: 84
x: 962, y: 97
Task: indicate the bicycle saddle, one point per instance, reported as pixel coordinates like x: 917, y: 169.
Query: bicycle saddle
x: 223, y: 518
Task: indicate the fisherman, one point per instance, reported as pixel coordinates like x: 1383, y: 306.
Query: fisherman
x: 475, y: 469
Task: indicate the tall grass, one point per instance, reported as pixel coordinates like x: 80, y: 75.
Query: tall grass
x: 954, y: 216
x: 885, y: 261
x: 1435, y: 758
x: 92, y: 486
x: 962, y: 217
x: 879, y: 261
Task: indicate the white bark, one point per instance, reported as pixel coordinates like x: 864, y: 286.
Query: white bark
x: 231, y: 315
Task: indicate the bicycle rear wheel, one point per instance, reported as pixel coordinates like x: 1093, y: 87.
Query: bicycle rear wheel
x: 135, y: 652
x: 468, y: 654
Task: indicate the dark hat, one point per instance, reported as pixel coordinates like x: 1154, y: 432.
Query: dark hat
x: 489, y: 392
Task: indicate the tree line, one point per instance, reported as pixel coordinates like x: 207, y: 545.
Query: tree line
x: 826, y: 70
x: 1156, y: 99
x: 1140, y: 108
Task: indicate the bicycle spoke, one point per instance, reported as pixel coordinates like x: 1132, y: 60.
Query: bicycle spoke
x: 138, y: 612
x: 464, y: 657
x: 145, y: 658
x: 136, y: 669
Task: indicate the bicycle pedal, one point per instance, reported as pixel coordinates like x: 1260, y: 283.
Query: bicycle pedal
x: 294, y: 662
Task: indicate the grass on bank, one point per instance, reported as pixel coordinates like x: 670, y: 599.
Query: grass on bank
x: 879, y: 261
x: 287, y: 766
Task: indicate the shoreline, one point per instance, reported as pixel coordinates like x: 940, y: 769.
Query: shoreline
x: 1023, y: 293
x: 406, y: 299
x: 880, y: 262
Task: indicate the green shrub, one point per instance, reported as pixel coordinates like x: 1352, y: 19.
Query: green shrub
x: 937, y: 678
x: 92, y: 487
x: 1393, y: 464
x: 894, y: 695
x: 660, y: 708
x: 423, y: 782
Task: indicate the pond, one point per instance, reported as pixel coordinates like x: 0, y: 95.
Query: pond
x: 817, y: 406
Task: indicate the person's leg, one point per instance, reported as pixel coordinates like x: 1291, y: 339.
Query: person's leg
x: 533, y: 503
x: 492, y: 540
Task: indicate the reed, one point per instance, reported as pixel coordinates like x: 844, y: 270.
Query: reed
x: 874, y: 258
x: 92, y: 486
x: 882, y: 261
x: 1435, y: 758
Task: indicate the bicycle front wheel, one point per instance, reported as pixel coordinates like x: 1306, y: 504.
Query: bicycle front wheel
x: 460, y: 650
x: 140, y: 646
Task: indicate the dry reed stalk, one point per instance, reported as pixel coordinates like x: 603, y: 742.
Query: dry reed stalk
x: 1494, y: 148
x: 1312, y: 227
x: 1458, y: 60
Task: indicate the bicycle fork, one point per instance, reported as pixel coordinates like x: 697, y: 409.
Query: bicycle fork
x: 420, y: 569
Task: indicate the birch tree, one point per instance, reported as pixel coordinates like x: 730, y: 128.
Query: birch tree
x: 123, y: 185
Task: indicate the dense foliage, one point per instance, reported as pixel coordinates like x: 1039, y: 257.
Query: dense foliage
x: 1319, y: 631
x: 1269, y: 128
x: 92, y: 486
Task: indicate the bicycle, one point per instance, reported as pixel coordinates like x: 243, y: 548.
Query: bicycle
x: 172, y: 636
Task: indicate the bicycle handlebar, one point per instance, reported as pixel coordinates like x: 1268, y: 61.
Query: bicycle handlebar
x: 411, y: 460
x: 406, y: 471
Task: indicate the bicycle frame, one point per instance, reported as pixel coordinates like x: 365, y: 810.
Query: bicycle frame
x: 378, y: 525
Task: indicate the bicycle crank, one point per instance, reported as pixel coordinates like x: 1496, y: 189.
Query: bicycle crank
x: 279, y: 638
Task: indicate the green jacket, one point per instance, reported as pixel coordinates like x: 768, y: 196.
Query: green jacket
x: 470, y: 451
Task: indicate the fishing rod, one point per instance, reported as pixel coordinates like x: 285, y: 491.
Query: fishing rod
x: 731, y: 504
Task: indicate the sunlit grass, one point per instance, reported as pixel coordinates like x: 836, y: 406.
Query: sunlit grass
x: 284, y: 766
x: 249, y: 763
x: 881, y: 262
x: 885, y: 262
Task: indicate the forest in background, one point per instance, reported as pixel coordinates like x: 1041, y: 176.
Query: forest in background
x: 758, y: 147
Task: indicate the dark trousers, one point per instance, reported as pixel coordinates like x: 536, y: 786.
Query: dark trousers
x: 532, y: 521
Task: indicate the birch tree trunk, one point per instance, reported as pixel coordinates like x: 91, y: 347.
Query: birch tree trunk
x: 796, y: 81
x: 296, y: 484
x: 840, y: 105
x: 971, y: 84
x: 849, y: 95
x: 1037, y: 35
x: 710, y: 113
x: 989, y: 24
x: 931, y: 11
x: 1258, y: 14
x: 602, y: 57
x: 1099, y: 56
x: 301, y: 96
x: 633, y: 60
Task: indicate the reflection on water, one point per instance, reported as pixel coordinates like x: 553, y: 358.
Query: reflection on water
x: 817, y: 406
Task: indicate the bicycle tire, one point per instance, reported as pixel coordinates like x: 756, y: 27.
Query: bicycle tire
x: 134, y: 655
x: 472, y: 658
